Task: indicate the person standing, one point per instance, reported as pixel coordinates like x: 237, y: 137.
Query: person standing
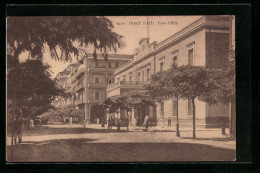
x: 145, y: 124
x: 18, y: 130
x: 162, y: 122
x: 169, y: 122
x: 31, y: 124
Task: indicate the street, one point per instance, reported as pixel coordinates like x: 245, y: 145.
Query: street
x: 60, y: 143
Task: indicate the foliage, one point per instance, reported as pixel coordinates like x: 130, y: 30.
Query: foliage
x: 33, y: 34
x: 97, y: 111
x: 34, y: 89
x: 186, y: 82
x: 58, y: 114
x: 225, y: 81
x: 127, y: 101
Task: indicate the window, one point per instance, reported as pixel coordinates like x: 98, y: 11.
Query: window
x: 161, y: 66
x: 109, y: 64
x: 190, y: 107
x: 143, y: 75
x: 130, y: 76
x: 175, y: 60
x: 116, y: 64
x: 124, y: 78
x: 175, y: 107
x: 109, y: 81
x: 148, y: 73
x: 118, y: 79
x: 190, y: 57
x: 96, y: 63
x: 96, y: 79
x: 138, y: 76
x: 96, y: 95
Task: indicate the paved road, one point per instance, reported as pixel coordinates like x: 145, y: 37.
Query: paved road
x: 73, y: 143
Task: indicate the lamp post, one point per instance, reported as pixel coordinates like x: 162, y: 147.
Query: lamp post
x: 177, y: 120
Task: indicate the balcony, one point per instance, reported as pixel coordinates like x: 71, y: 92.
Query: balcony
x: 126, y: 85
x: 97, y: 85
x: 100, y: 70
x: 79, y: 86
x: 80, y: 101
x: 79, y: 72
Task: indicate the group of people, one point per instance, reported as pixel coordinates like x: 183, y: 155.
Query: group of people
x: 114, y: 122
x: 146, y: 122
x: 169, y: 121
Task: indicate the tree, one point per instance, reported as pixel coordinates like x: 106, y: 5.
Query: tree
x: 60, y: 32
x: 127, y: 102
x: 159, y: 91
x: 225, y: 92
x: 98, y: 111
x: 38, y: 34
x: 58, y: 114
x: 185, y: 82
x: 30, y: 89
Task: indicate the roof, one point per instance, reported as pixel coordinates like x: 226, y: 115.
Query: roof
x: 121, y: 56
x: 201, y: 22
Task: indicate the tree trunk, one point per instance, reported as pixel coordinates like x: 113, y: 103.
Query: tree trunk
x: 12, y: 129
x: 127, y: 113
x: 194, y: 124
x: 177, y: 120
x: 232, y: 119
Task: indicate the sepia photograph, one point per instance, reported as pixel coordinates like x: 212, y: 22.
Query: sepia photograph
x: 120, y: 88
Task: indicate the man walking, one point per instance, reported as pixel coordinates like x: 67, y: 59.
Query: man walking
x: 169, y: 122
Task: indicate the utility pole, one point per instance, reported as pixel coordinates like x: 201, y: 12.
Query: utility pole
x: 147, y: 18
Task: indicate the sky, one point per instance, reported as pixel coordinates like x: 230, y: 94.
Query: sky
x: 133, y: 28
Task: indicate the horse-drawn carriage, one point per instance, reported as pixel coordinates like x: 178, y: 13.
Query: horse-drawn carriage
x: 117, y: 123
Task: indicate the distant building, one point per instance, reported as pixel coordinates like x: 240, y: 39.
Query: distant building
x: 87, y: 81
x: 204, y: 42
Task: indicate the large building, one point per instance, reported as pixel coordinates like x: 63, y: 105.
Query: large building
x: 87, y: 81
x: 205, y: 42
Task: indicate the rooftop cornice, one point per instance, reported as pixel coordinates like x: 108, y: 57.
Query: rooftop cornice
x: 199, y: 24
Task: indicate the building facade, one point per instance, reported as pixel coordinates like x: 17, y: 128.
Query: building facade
x: 87, y: 81
x: 205, y: 42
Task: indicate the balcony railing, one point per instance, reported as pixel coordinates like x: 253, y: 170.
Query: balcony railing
x: 80, y: 70
x: 126, y: 84
x: 97, y: 85
x: 79, y: 86
x: 100, y: 69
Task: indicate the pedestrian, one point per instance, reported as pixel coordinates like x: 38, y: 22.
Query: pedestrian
x: 169, y: 122
x: 109, y: 125
x: 18, y: 130
x: 103, y: 123
x: 145, y: 124
x: 162, y: 121
x: 118, y: 124
x: 31, y: 124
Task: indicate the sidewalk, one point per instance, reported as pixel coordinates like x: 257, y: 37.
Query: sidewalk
x: 97, y: 134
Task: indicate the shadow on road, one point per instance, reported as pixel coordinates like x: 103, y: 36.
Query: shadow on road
x: 54, y: 131
x: 80, y: 150
x: 211, y: 139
